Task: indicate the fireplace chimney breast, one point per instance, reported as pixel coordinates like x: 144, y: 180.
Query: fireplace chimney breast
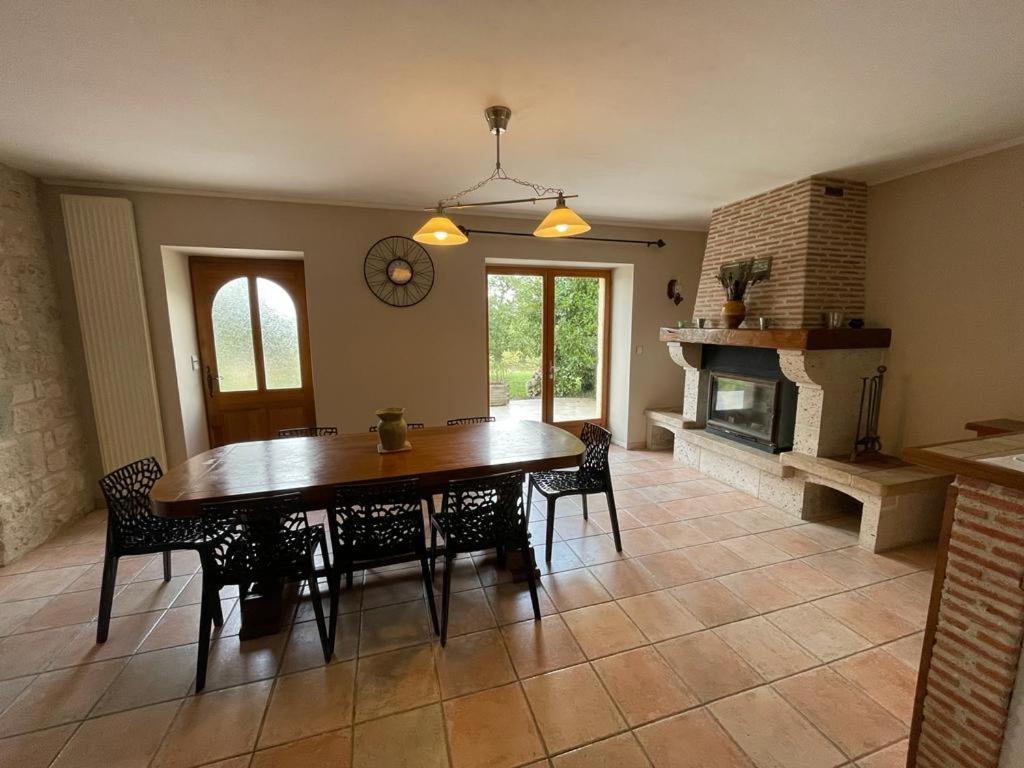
x: 817, y: 240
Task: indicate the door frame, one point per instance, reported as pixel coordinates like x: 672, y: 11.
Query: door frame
x: 289, y: 273
x: 548, y: 336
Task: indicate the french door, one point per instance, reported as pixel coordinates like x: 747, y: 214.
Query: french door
x: 253, y: 338
x: 548, y: 341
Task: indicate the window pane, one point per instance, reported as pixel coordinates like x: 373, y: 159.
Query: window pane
x: 232, y: 337
x: 514, y: 334
x: 279, y: 326
x: 579, y: 316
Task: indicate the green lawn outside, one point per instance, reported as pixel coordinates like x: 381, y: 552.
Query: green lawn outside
x: 517, y: 383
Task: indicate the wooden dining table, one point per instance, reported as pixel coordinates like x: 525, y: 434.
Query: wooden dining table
x: 313, y: 466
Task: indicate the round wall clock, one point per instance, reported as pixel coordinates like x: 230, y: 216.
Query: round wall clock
x: 398, y: 271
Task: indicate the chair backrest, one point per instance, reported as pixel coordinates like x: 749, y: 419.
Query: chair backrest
x: 409, y: 424
x: 377, y: 519
x: 470, y: 420
x: 483, y: 511
x: 126, y: 491
x: 307, y: 432
x: 250, y: 535
x: 597, y: 441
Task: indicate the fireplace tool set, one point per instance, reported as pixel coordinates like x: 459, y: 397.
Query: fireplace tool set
x: 867, y: 442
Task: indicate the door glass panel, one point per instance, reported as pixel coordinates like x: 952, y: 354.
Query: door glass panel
x: 232, y: 337
x: 579, y: 336
x: 515, y: 345
x: 279, y: 327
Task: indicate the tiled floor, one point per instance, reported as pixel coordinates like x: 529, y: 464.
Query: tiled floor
x: 726, y: 634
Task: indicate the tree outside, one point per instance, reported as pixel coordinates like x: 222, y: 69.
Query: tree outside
x: 515, y: 334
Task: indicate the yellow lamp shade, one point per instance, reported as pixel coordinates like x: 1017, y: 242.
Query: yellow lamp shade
x: 563, y: 221
x: 440, y: 230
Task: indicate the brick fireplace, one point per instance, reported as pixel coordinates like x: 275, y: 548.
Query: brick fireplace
x: 814, y: 231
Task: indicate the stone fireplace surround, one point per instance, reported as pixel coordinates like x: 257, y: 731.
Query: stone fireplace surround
x: 899, y: 503
x: 815, y: 232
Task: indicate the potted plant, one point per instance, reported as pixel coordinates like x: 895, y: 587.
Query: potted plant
x: 736, y: 278
x: 499, y: 388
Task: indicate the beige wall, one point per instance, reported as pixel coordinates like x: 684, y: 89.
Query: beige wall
x: 946, y: 273
x: 430, y: 358
x: 47, y: 466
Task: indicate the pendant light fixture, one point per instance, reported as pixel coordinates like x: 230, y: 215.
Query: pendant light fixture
x: 440, y: 230
x: 562, y: 221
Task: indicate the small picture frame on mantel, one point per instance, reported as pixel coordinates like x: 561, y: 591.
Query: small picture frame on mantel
x: 760, y: 269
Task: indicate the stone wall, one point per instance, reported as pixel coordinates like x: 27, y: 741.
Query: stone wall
x: 45, y: 477
x: 817, y: 239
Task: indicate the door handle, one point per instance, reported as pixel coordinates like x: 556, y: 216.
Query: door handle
x: 209, y: 380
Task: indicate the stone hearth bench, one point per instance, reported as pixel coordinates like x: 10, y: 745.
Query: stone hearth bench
x: 900, y: 503
x: 662, y: 424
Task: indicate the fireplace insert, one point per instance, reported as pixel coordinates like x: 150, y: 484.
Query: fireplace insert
x: 753, y: 410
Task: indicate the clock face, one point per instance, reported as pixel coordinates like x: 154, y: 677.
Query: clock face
x: 398, y: 271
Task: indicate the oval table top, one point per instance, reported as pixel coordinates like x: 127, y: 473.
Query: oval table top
x: 313, y: 465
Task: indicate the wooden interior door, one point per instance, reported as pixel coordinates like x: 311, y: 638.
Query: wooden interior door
x: 253, y: 338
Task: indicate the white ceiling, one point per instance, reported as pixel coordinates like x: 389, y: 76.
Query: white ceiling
x: 653, y: 112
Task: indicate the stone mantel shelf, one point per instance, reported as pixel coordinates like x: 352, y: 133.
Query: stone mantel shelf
x: 782, y: 338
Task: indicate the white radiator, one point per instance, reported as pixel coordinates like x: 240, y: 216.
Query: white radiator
x: 104, y: 256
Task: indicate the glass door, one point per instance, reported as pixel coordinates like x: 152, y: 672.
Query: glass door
x: 578, y: 350
x: 548, y: 341
x: 515, y: 345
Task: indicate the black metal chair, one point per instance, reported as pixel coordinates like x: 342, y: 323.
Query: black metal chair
x: 255, y: 540
x: 410, y: 425
x: 133, y: 529
x: 377, y: 523
x: 470, y: 420
x: 479, y: 514
x: 307, y: 432
x: 593, y: 476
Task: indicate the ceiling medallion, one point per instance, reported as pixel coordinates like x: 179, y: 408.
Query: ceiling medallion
x: 562, y: 221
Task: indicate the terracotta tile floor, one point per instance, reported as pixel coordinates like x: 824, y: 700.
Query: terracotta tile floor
x: 726, y: 634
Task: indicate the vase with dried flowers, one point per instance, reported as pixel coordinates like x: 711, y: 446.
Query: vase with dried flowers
x: 736, y: 278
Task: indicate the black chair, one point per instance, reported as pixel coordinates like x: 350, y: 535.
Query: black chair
x: 470, y: 420
x: 593, y: 476
x: 377, y: 523
x: 255, y: 540
x: 307, y: 432
x: 133, y: 529
x: 410, y: 425
x: 479, y: 514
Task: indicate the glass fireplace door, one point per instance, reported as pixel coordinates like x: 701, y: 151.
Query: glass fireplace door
x: 744, y: 406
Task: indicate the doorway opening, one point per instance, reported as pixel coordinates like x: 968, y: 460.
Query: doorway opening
x: 548, y: 344
x: 254, y: 357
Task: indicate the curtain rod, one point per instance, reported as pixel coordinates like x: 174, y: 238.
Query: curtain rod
x: 648, y: 243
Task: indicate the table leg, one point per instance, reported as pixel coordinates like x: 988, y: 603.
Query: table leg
x: 263, y: 608
x: 517, y: 565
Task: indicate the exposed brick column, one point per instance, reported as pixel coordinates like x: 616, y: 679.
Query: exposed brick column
x: 980, y: 627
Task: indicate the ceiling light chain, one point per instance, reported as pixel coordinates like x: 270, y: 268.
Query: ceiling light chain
x: 499, y: 174
x: 562, y: 221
